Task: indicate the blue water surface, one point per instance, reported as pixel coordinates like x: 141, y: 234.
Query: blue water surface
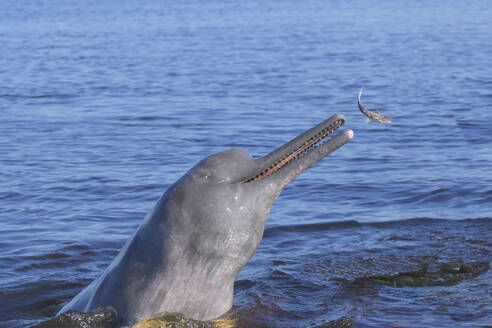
x: 104, y: 104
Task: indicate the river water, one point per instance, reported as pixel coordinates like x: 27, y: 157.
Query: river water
x: 106, y: 103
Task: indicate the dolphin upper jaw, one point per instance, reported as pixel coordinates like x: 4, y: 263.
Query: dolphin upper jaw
x: 280, y: 167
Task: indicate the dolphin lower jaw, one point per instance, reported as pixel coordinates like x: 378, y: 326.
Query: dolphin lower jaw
x: 295, y: 168
x: 289, y: 157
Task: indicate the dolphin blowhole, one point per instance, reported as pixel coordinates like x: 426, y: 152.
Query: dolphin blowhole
x: 187, y: 251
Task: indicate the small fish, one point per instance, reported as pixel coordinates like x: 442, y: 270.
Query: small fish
x: 372, y: 116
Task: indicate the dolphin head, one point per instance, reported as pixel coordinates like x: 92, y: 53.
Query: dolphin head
x: 224, y: 201
x: 185, y: 255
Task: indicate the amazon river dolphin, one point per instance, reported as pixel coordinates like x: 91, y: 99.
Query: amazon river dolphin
x: 186, y: 253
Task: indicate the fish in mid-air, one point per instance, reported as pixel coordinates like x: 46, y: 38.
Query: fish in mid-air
x: 372, y: 116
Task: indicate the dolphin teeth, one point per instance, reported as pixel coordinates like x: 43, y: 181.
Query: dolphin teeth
x: 297, y: 153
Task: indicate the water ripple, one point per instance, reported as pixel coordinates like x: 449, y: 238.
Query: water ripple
x: 103, y: 107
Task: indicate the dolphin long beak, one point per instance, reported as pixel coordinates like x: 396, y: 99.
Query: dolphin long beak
x: 295, y: 168
x: 287, y: 162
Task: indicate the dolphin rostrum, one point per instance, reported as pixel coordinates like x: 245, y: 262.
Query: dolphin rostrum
x: 186, y: 253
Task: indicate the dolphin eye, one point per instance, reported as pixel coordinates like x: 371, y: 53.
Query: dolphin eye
x: 208, y: 175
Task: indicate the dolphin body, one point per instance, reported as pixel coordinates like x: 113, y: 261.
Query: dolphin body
x: 186, y: 253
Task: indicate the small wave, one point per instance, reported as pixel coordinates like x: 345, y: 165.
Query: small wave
x: 11, y: 195
x: 436, y: 195
x: 93, y: 178
x: 11, y: 96
x: 410, y: 222
x: 141, y: 118
x: 423, y: 221
x: 49, y: 256
x: 311, y: 227
x: 431, y: 274
x: 398, y: 238
x: 476, y: 131
x: 244, y: 283
x: 46, y: 265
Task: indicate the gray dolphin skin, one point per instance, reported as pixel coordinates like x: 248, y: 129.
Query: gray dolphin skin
x: 372, y: 116
x: 186, y: 253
